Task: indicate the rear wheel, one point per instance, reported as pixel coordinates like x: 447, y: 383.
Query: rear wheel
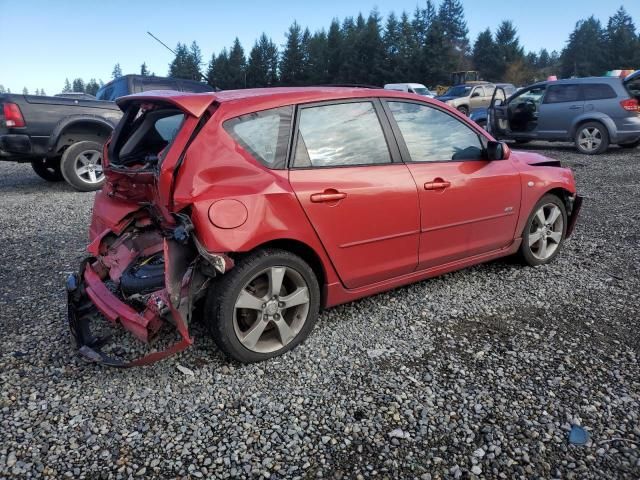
x: 265, y: 306
x: 592, y: 138
x: 544, y: 232
x: 81, y: 166
x: 464, y: 110
x: 48, y: 169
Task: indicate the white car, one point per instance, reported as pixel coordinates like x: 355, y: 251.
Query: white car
x: 416, y: 88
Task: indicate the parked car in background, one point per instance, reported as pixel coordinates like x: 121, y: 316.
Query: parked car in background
x: 417, y: 88
x: 128, y: 84
x: 62, y: 136
x: 76, y: 95
x: 592, y: 112
x: 267, y: 204
x: 469, y: 96
x: 479, y: 115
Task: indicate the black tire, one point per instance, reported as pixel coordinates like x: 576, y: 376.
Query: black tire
x: 601, y: 133
x: 629, y: 145
x: 221, y: 300
x: 70, y: 161
x: 526, y: 251
x: 48, y: 169
x: 464, y: 110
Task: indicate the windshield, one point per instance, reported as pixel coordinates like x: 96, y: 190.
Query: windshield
x: 422, y: 91
x: 459, y: 91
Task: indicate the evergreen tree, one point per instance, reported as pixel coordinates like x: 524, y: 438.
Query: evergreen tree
x: 42, y: 92
x: 334, y: 47
x: 440, y: 55
x: 486, y: 57
x: 317, y: 64
x: 92, y: 87
x: 454, y: 28
x: 237, y: 65
x: 544, y: 59
x: 78, y: 85
x: 372, y: 50
x: 25, y: 91
x: 143, y: 69
x: 117, y: 71
x: 218, y: 72
x: 186, y: 63
x: 622, y: 43
x: 406, y: 49
x: 67, y: 86
x: 262, y: 66
x: 292, y: 60
x: 391, y: 40
x: 586, y: 50
x: 348, y: 65
x: 508, y: 45
x: 2, y: 89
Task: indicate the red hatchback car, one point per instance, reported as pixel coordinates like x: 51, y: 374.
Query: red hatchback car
x: 266, y: 205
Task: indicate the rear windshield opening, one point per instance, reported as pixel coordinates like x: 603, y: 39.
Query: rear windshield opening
x: 145, y: 133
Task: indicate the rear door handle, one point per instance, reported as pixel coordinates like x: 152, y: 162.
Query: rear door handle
x: 437, y: 184
x: 328, y: 196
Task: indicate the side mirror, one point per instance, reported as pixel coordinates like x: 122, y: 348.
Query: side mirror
x: 498, y: 150
x: 475, y: 94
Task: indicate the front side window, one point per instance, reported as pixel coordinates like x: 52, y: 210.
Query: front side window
x: 459, y: 91
x: 434, y: 136
x: 264, y: 134
x: 562, y: 93
x: 340, y: 135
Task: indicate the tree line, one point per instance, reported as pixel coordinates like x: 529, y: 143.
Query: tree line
x: 425, y: 46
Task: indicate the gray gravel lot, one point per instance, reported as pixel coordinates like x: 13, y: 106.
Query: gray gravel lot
x: 479, y: 373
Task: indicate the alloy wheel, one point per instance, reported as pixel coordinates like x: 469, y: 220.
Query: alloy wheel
x: 88, y: 166
x: 271, y: 309
x: 545, y: 232
x: 590, y: 139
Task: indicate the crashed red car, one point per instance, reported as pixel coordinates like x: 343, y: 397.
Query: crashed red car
x: 266, y: 205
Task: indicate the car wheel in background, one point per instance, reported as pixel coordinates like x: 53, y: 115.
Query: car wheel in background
x: 591, y: 138
x: 464, y: 110
x: 544, y: 231
x: 265, y: 306
x: 48, y: 169
x: 81, y: 166
x: 629, y: 145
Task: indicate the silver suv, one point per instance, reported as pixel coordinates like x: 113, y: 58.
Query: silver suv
x: 468, y: 96
x: 592, y: 112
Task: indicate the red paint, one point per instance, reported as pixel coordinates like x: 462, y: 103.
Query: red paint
x: 372, y: 228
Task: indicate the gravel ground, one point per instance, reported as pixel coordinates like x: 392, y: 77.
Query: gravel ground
x: 479, y: 373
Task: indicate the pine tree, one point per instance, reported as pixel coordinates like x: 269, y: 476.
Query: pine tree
x: 622, y: 43
x: 67, y: 86
x: 117, y: 71
x: 144, y: 71
x: 407, y: 49
x: 586, y: 50
x: 42, y: 92
x: 2, y: 89
x: 372, y: 50
x: 78, y: 85
x: 186, y: 63
x: 454, y: 28
x: 292, y: 60
x: 237, y: 65
x: 486, y: 57
x: 317, y: 61
x: 218, y: 72
x: 25, y: 91
x: 508, y: 45
x: 92, y: 87
x: 334, y: 47
x: 440, y: 55
x: 262, y: 65
x: 391, y: 40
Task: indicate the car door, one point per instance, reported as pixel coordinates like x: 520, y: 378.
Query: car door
x: 362, y: 204
x: 469, y: 205
x: 476, y: 99
x: 561, y: 104
x: 498, y: 114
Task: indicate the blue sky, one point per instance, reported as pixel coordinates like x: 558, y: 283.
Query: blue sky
x: 42, y: 42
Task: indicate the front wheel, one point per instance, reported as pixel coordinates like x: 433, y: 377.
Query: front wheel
x: 48, y: 169
x: 81, y: 166
x: 544, y: 232
x: 464, y: 110
x: 265, y: 306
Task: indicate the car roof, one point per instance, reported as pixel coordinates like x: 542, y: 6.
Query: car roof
x: 261, y: 98
x: 412, y: 85
x: 580, y: 80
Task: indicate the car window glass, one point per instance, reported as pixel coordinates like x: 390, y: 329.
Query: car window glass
x: 265, y: 134
x: 105, y: 93
x: 120, y: 88
x: 562, y: 93
x: 597, y: 91
x: 534, y: 95
x: 168, y: 127
x: 434, y: 136
x: 340, y: 134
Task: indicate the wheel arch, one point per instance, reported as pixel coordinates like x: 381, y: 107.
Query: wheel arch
x: 602, y: 119
x: 307, y: 253
x: 77, y: 129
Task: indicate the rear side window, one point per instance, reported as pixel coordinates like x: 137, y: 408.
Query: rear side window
x: 597, y: 91
x: 264, y: 134
x: 340, y: 135
x: 434, y: 136
x: 562, y: 93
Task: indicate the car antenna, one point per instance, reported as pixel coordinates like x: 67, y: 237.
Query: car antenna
x: 173, y: 51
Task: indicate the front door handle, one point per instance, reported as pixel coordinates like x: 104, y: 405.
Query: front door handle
x: 328, y: 196
x: 575, y: 107
x: 437, y: 184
